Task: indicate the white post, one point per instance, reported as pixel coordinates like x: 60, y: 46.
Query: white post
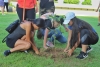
x: 60, y: 1
x: 95, y: 3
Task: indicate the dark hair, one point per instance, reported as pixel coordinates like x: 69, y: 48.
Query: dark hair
x: 39, y: 22
x: 59, y: 19
x: 39, y: 34
x: 76, y: 27
x: 45, y: 25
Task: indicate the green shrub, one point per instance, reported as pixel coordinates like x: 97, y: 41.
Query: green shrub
x: 86, y: 2
x: 56, y: 1
x: 11, y: 5
x: 13, y: 0
x: 72, y: 1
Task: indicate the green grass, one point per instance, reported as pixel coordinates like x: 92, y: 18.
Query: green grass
x: 21, y: 59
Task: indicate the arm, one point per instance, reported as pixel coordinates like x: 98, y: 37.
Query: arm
x: 64, y: 25
x: 98, y: 7
x: 23, y: 38
x: 70, y: 51
x: 68, y: 43
x: 32, y: 36
x: 45, y: 38
x: 33, y: 43
x: 77, y: 43
x: 28, y: 31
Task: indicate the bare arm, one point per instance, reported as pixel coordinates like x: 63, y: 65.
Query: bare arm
x: 23, y: 38
x: 68, y: 43
x: 33, y: 43
x: 45, y: 38
x: 77, y: 43
x: 28, y: 31
x: 70, y: 51
x: 32, y: 35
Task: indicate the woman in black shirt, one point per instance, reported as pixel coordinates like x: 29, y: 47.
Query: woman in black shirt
x: 21, y: 38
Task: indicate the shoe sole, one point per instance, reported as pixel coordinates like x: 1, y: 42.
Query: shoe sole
x: 26, y: 51
x: 49, y: 45
x: 83, y: 58
x: 89, y: 50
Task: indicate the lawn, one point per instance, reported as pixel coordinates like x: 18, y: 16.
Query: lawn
x: 30, y: 59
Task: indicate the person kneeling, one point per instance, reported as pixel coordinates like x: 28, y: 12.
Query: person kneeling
x: 80, y: 34
x: 20, y: 39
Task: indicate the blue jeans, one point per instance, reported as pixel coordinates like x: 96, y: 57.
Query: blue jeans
x: 55, y: 34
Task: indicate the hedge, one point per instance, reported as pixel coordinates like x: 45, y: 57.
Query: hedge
x: 13, y: 0
x: 72, y: 1
x: 86, y: 2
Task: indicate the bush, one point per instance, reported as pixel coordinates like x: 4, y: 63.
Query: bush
x: 71, y: 1
x: 86, y: 2
x: 13, y: 0
x: 11, y: 5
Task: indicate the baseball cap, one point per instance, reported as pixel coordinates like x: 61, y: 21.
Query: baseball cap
x: 69, y: 16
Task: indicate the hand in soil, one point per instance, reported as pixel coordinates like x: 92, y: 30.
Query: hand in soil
x: 37, y: 52
x: 66, y: 50
x: 70, y: 51
x: 45, y: 47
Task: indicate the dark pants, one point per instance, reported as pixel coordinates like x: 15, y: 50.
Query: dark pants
x: 87, y: 39
x: 29, y: 13
x: 6, y: 5
x: 55, y: 34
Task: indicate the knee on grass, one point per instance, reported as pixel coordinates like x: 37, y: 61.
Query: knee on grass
x: 27, y: 46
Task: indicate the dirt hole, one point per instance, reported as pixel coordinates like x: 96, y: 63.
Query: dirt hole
x: 53, y: 53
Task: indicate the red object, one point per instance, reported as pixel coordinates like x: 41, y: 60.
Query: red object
x: 27, y: 4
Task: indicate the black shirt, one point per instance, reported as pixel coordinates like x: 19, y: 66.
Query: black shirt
x: 48, y: 24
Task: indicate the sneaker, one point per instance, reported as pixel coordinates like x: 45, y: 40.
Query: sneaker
x: 26, y: 51
x: 7, y: 52
x: 89, y: 49
x: 49, y: 44
x: 82, y: 55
